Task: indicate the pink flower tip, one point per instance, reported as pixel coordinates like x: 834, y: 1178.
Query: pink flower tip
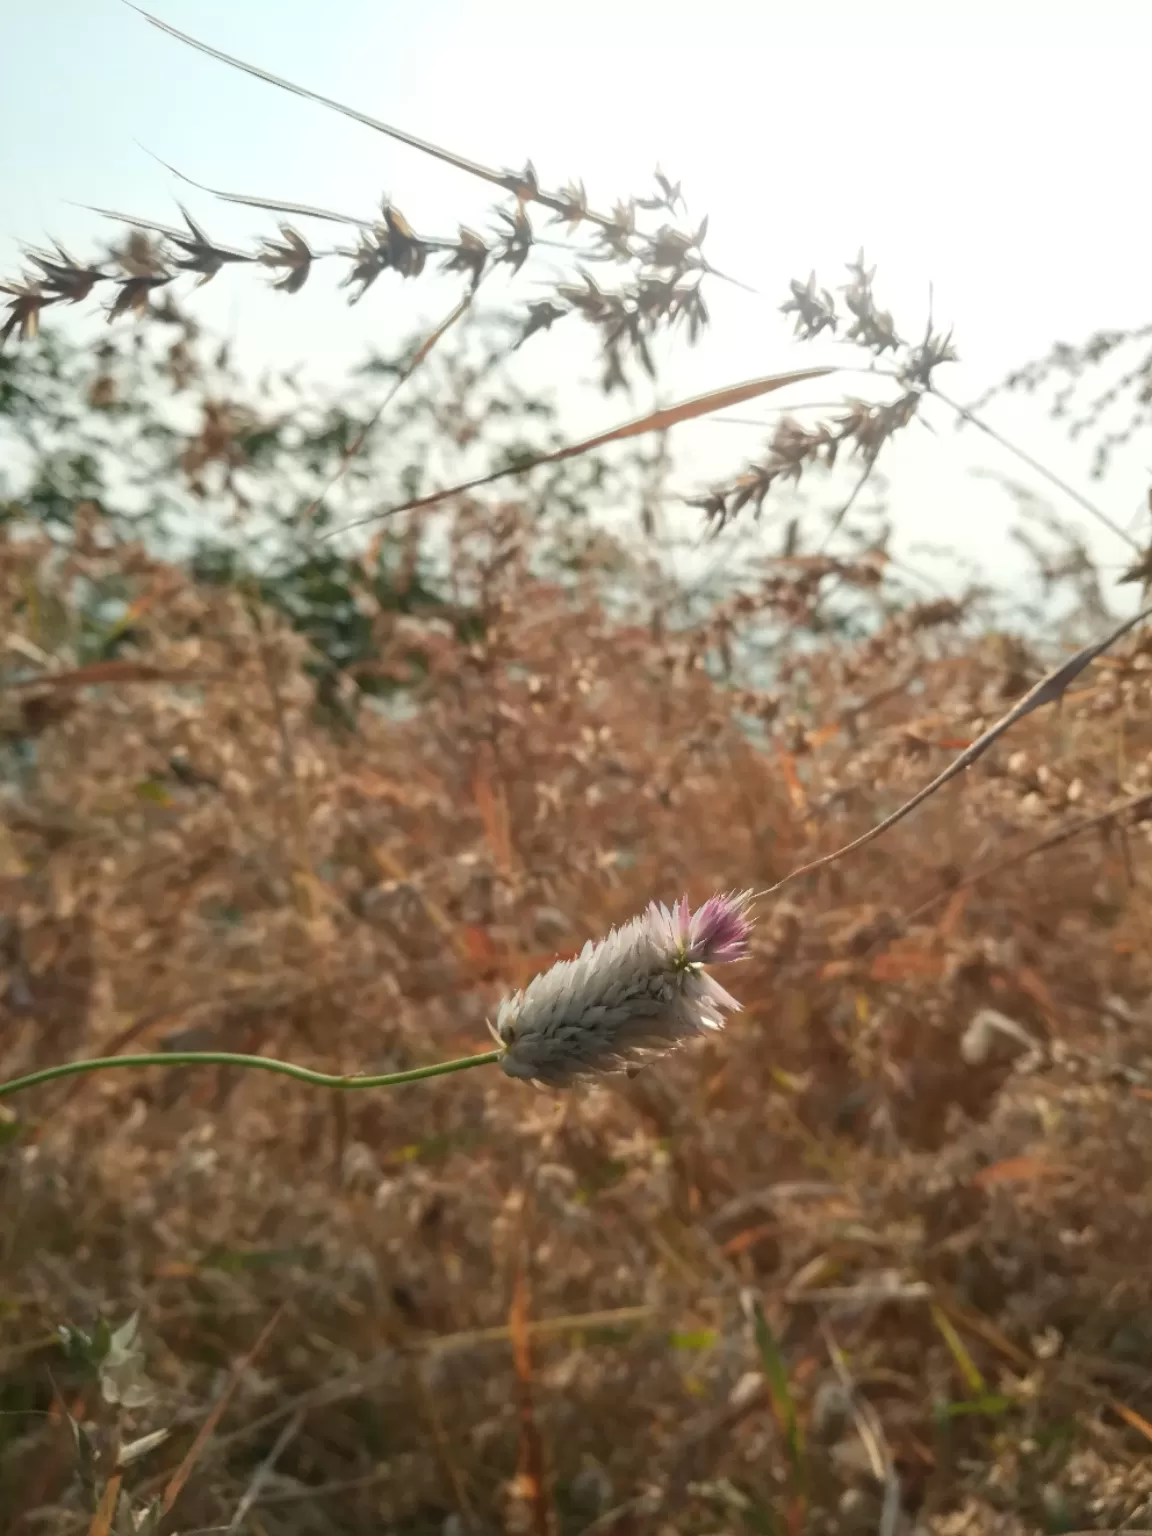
x: 719, y: 930
x: 714, y: 934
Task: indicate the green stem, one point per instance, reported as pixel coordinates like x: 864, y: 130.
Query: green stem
x: 261, y: 1063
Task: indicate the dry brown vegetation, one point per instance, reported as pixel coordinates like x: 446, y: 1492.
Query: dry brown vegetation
x: 872, y: 1260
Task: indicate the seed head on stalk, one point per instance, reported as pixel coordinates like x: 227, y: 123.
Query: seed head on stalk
x: 627, y: 998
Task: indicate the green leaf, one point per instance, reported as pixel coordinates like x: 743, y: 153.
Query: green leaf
x: 235, y: 1261
x: 153, y: 791
x: 699, y: 1338
x: 776, y: 1372
x: 990, y: 1406
x: 85, y: 1455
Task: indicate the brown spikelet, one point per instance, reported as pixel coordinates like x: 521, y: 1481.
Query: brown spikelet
x: 293, y: 255
x: 26, y: 301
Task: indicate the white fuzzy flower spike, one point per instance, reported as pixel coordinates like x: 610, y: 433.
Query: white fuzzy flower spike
x: 627, y: 998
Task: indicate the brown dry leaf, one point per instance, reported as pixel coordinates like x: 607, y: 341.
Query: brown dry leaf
x: 953, y: 912
x: 175, y: 1269
x: 102, y: 672
x: 656, y: 421
x: 106, y: 1509
x: 184, y: 1471
x: 531, y: 1478
x: 1130, y: 1416
x: 377, y: 786
x: 976, y: 1323
x: 823, y: 735
x: 480, y: 948
x: 900, y: 965
x: 796, y: 792
x: 1034, y: 986
x: 749, y: 1238
x: 492, y: 805
x: 1016, y: 1170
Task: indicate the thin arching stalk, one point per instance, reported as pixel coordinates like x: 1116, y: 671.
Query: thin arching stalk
x: 257, y: 1063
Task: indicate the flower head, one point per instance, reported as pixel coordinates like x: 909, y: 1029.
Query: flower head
x: 631, y: 996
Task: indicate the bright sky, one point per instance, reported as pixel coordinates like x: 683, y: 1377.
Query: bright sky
x: 994, y: 151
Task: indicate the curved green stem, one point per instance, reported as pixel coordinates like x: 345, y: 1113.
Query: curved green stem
x: 261, y: 1063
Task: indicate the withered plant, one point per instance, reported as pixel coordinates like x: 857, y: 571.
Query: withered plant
x: 872, y: 1259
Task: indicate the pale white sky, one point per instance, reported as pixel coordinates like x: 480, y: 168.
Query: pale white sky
x: 995, y: 151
